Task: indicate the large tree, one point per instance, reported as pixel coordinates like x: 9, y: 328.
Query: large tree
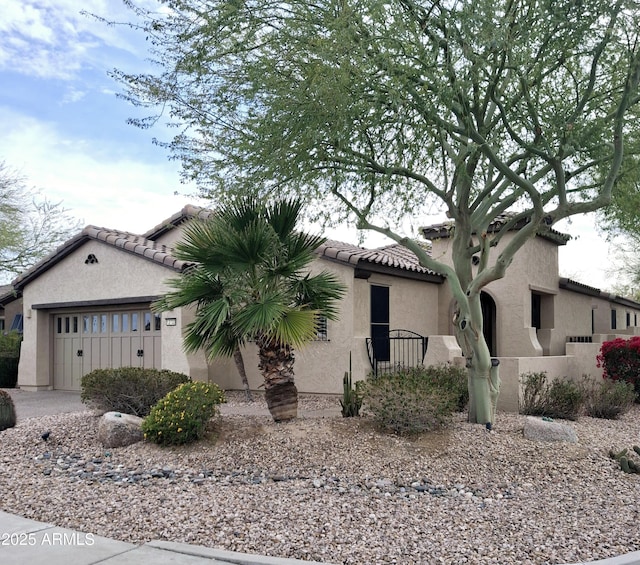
x: 249, y: 280
x: 31, y: 226
x: 383, y: 107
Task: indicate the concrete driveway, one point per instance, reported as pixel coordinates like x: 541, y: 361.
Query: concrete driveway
x: 44, y: 402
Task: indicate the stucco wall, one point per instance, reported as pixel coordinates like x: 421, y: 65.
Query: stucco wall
x: 170, y: 237
x: 320, y: 365
x: 534, y: 268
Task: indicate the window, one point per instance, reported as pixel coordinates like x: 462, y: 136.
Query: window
x: 536, y: 310
x: 380, y: 322
x: 1, y: 324
x: 614, y: 320
x: 16, y: 325
x: 321, y: 329
x: 628, y: 319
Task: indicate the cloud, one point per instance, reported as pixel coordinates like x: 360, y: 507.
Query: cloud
x: 53, y: 39
x: 122, y: 193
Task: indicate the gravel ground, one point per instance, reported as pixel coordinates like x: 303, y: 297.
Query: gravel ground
x: 333, y: 489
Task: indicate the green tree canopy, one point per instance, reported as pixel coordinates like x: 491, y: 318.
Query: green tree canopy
x: 378, y: 108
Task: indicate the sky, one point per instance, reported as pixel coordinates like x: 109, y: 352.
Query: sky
x: 64, y: 129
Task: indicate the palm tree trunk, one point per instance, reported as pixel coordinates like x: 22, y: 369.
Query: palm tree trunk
x: 237, y: 357
x: 276, y: 365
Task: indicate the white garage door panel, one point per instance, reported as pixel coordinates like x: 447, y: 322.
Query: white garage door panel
x: 85, y: 341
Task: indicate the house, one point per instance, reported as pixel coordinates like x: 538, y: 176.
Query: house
x: 88, y: 306
x: 10, y: 309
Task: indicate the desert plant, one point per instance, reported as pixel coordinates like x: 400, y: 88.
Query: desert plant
x: 626, y: 460
x: 182, y: 415
x: 415, y: 400
x: 620, y: 361
x: 351, y: 398
x: 562, y: 398
x: 130, y: 390
x: 7, y: 411
x: 608, y: 398
x: 9, y: 357
x: 451, y: 378
x: 248, y: 282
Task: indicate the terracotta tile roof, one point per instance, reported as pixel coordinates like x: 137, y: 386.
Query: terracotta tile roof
x: 393, y: 256
x: 7, y: 294
x: 129, y: 242
x: 443, y: 230
x: 187, y: 213
x: 392, y: 259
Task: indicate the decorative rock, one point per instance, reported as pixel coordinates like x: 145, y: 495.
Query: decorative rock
x: 118, y: 430
x: 541, y: 430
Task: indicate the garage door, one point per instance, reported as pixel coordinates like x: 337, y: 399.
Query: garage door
x: 84, y: 341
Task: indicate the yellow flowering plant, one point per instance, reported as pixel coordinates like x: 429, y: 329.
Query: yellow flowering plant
x: 182, y: 415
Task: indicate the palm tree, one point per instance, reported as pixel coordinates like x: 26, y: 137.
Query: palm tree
x: 249, y: 280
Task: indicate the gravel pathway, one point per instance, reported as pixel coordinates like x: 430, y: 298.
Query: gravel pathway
x: 334, y: 489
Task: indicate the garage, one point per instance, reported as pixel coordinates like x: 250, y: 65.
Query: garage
x: 102, y: 339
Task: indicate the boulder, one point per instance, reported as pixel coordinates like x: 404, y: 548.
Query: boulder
x: 538, y: 429
x: 117, y: 430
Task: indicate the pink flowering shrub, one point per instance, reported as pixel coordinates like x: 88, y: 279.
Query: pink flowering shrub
x: 620, y: 360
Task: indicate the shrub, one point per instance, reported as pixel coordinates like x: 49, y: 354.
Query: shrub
x: 609, y: 398
x: 416, y: 400
x: 130, y: 390
x: 620, y: 360
x: 351, y: 397
x: 182, y: 415
x: 562, y: 398
x: 7, y: 411
x: 9, y: 357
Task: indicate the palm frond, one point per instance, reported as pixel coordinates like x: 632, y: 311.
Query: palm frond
x: 321, y: 292
x: 296, y: 328
x: 247, y: 278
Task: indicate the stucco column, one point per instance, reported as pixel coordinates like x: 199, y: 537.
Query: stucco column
x: 34, y: 369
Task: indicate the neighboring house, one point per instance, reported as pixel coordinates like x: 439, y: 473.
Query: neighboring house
x: 10, y: 309
x: 87, y: 306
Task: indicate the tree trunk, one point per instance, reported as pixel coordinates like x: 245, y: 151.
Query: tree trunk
x: 282, y: 401
x: 484, y: 388
x: 237, y: 357
x: 484, y: 379
x: 276, y: 365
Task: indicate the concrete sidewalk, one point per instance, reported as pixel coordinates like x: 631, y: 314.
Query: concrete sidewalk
x: 34, y: 543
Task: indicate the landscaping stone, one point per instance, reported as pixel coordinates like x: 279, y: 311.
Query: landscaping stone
x: 118, y: 430
x: 538, y: 429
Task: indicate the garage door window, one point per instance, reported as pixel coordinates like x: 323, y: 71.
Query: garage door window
x: 67, y: 324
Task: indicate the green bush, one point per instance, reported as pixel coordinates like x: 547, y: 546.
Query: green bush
x: 416, y: 400
x: 562, y: 398
x: 9, y: 358
x: 7, y: 411
x: 130, y: 390
x: 608, y: 398
x: 182, y: 415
